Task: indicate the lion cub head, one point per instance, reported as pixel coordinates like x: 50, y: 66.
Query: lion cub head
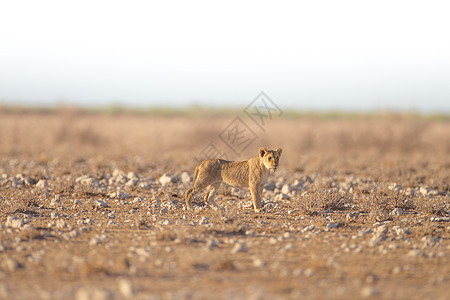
x: 270, y: 158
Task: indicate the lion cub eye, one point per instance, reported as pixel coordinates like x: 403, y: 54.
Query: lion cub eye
x: 270, y: 158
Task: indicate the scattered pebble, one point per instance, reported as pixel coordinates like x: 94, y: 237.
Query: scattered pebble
x: 14, y: 222
x: 415, y: 253
x: 101, y: 203
x: 440, y: 219
x: 286, y: 189
x: 204, y: 221
x: 9, y: 264
x: 258, y: 263
x: 309, y: 228
x: 376, y: 239
x: 270, y: 186
x: 239, y: 247
x: 88, y: 180
x: 211, y: 244
x: 42, y: 184
x: 126, y: 288
x: 185, y: 178
x: 369, y: 291
x: 309, y: 272
x: 397, y: 212
x: 60, y: 224
x: 331, y: 225
x: 167, y: 179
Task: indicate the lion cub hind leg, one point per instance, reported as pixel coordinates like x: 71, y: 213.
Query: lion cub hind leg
x: 210, y: 195
x: 200, y: 182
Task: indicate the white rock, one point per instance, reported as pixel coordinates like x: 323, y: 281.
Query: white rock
x: 250, y: 233
x: 117, y: 172
x: 138, y: 199
x: 60, y: 224
x: 131, y: 175
x: 331, y: 225
x: 369, y: 291
x: 145, y: 185
x: 400, y: 231
x: 377, y: 238
x: 167, y: 179
x: 14, y: 222
x: 397, y: 212
x: 282, y: 196
x: 204, y: 221
x: 286, y: 189
x: 101, y: 203
x: 169, y: 204
x: 9, y: 264
x: 273, y: 240
x: 239, y: 247
x: 132, y: 182
x: 54, y: 214
x: 185, y: 177
x: 211, y: 244
x: 94, y: 241
x: 415, y: 253
x: 298, y: 272
x: 41, y: 184
x: 381, y: 229
x: 288, y: 247
x: 309, y: 228
x: 365, y: 231
x: 90, y: 294
x: 88, y: 180
x: 429, y: 241
x: 2, y: 247
x: 410, y: 192
x: 393, y: 186
x: 126, y: 288
x: 258, y: 263
x: 119, y: 195
x: 88, y: 221
x: 440, y: 219
x: 71, y: 234
x: 56, y: 200
x: 98, y: 239
x: 423, y: 191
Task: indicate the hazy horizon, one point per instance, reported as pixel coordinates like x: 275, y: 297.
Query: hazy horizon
x: 326, y: 55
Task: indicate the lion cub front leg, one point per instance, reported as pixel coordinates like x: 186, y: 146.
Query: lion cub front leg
x: 255, y: 190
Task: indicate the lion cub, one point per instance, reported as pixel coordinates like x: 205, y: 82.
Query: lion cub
x: 252, y: 173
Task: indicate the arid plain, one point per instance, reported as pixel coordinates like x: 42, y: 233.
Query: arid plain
x: 92, y: 207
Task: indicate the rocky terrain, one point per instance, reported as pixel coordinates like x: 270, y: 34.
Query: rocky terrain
x: 92, y: 207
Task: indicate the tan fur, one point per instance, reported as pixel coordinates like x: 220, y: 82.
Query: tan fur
x: 252, y: 173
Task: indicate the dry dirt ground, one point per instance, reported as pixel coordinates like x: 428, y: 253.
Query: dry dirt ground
x: 359, y: 208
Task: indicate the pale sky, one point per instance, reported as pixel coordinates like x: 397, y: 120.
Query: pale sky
x: 355, y: 55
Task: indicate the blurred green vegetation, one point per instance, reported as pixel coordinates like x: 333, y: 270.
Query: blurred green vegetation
x: 198, y: 111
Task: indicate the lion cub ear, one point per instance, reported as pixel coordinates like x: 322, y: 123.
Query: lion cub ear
x: 279, y: 150
x: 262, y: 151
